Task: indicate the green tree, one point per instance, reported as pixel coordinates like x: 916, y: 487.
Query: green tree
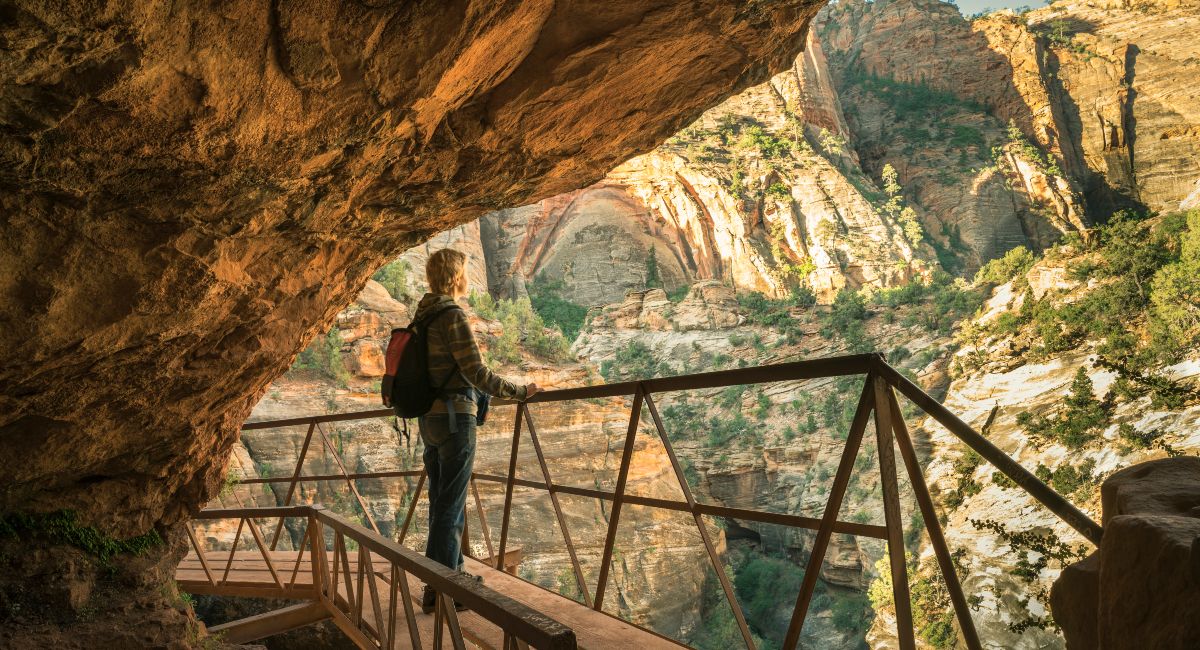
x: 1079, y: 421
x: 1017, y: 261
x: 546, y: 297
x: 1175, y: 289
x: 897, y: 209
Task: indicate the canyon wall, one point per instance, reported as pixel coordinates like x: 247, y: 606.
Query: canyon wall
x: 1002, y: 131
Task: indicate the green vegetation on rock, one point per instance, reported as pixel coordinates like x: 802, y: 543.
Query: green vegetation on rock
x: 1016, y: 262
x: 394, y: 277
x: 522, y: 328
x: 324, y: 357
x: 545, y: 296
x: 62, y: 527
x: 1080, y: 420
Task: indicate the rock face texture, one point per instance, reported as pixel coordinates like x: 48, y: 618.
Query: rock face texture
x: 701, y: 203
x: 1138, y: 590
x: 1003, y: 131
x: 191, y: 195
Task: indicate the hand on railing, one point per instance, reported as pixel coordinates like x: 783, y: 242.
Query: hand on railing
x: 531, y: 390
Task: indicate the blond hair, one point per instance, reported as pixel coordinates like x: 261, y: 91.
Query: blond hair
x: 446, y: 272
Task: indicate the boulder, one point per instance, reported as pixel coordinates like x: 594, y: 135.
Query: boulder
x: 1139, y: 590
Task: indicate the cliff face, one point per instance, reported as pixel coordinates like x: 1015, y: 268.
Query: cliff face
x: 1003, y: 131
x: 761, y: 183
x: 1096, y: 85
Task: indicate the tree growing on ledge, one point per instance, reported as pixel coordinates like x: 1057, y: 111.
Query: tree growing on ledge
x: 1079, y: 422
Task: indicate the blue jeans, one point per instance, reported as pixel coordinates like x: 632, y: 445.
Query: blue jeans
x: 449, y: 460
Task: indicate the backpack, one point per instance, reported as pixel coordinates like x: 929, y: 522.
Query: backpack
x: 406, y: 386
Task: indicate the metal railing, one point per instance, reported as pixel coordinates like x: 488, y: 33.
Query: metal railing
x: 364, y: 597
x: 878, y: 398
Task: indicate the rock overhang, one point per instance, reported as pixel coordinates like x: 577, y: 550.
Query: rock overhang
x: 191, y: 195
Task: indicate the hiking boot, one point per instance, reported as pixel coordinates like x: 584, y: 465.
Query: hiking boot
x: 429, y: 602
x: 428, y: 598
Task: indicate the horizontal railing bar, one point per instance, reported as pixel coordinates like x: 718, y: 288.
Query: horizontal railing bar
x: 264, y: 512
x: 761, y: 516
x: 530, y: 625
x: 331, y: 417
x: 1046, y: 495
x: 854, y: 364
x: 333, y: 477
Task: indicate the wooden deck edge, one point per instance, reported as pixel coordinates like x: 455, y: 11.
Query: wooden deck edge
x: 259, y: 626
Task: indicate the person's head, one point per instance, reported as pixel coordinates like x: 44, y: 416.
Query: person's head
x: 446, y: 272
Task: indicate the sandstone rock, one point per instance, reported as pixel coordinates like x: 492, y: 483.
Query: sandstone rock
x: 709, y: 305
x: 680, y: 203
x: 375, y: 299
x: 1138, y: 590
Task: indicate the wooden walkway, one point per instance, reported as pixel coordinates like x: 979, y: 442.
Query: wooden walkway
x: 249, y: 576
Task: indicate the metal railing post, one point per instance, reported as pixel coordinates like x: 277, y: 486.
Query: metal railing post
x: 614, y: 517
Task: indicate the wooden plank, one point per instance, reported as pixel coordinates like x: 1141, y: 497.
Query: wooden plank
x: 412, y: 507
x: 400, y: 578
x: 260, y: 626
x: 262, y: 590
x: 483, y: 524
x: 558, y: 513
x: 237, y: 537
x: 540, y: 630
x: 891, y: 514
x: 347, y: 626
x: 593, y: 629
x: 614, y: 517
x: 854, y: 364
x: 937, y: 540
x: 375, y: 601
x: 199, y: 553
x: 778, y: 518
x: 262, y: 548
x: 821, y: 544
x: 709, y: 547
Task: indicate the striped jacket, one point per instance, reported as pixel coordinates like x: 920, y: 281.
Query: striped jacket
x: 454, y: 354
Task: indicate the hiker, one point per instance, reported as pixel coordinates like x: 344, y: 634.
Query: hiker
x: 463, y: 381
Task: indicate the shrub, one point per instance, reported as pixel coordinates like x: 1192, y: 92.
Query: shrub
x: 634, y: 361
x: 964, y: 472
x: 1017, y: 261
x: 1069, y: 479
x: 896, y: 207
x: 1175, y: 289
x: 394, y: 277
x: 522, y: 328
x: 846, y: 317
x: 546, y: 298
x: 324, y: 357
x: 779, y: 191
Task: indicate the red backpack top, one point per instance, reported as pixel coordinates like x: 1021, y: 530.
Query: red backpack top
x: 406, y: 386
